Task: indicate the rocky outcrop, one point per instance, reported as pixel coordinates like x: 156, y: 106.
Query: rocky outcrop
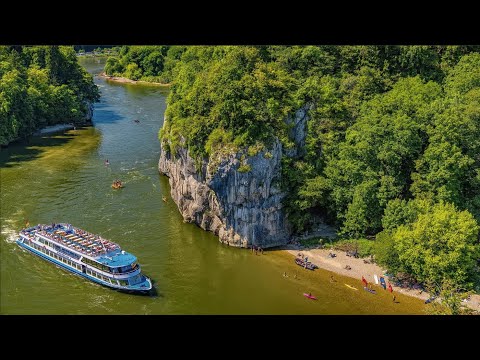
x: 88, y: 112
x: 239, y: 197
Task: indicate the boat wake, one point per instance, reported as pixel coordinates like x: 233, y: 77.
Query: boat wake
x: 9, y: 231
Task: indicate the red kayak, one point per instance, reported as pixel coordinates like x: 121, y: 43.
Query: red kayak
x: 309, y: 296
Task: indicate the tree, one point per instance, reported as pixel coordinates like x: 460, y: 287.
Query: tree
x: 442, y: 244
x: 41, y: 85
x: 449, y: 300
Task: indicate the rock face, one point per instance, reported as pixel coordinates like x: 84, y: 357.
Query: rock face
x: 243, y: 208
x: 88, y: 112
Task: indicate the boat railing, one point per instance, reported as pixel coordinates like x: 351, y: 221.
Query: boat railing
x: 85, y: 246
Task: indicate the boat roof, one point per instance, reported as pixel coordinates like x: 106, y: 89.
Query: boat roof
x: 121, y: 258
x: 94, y: 246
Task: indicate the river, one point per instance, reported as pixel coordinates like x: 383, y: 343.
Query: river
x: 62, y: 178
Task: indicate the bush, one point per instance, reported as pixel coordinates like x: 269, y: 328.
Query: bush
x: 244, y: 168
x: 364, y: 247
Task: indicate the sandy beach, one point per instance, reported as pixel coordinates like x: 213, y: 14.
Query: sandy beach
x: 123, y: 80
x: 359, y: 268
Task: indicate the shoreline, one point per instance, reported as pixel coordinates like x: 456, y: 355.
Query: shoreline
x: 358, y: 269
x: 123, y: 80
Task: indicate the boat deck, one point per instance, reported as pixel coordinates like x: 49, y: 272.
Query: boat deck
x: 75, y: 238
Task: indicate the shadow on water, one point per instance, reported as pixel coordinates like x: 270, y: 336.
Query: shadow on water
x: 103, y: 115
x: 31, y: 148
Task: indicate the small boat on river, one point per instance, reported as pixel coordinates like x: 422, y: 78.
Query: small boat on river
x: 310, y: 296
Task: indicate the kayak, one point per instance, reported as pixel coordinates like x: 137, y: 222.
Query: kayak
x: 369, y: 290
x: 309, y: 296
x: 351, y: 287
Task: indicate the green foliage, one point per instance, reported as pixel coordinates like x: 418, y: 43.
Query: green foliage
x: 244, y: 168
x: 218, y: 139
x: 374, y: 162
x: 268, y: 155
x: 364, y: 247
x: 312, y: 242
x: 386, y: 253
x: 148, y: 63
x: 39, y: 86
x: 441, y: 244
x: 449, y: 301
x: 230, y: 88
x: 400, y: 212
x: 465, y: 76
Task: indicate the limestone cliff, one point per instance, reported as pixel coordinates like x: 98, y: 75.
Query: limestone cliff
x: 243, y: 208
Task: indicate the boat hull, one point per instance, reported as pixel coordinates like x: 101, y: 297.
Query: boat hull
x: 146, y: 291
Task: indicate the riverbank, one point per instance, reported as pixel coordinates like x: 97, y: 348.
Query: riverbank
x: 359, y: 268
x: 123, y: 80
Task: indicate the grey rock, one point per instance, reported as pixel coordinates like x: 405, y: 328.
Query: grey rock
x: 242, y: 208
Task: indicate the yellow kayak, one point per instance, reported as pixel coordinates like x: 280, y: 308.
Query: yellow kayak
x: 351, y: 287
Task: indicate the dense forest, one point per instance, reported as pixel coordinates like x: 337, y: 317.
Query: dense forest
x: 40, y: 86
x: 392, y: 151
x: 146, y: 63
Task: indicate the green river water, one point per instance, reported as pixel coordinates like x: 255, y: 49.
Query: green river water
x: 62, y: 178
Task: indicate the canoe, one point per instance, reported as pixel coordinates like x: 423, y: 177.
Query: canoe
x: 369, y: 290
x: 376, y: 278
x: 351, y: 287
x: 309, y: 296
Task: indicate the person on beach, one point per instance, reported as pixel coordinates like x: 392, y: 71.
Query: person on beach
x: 394, y: 298
x: 364, y: 281
x: 332, y: 279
